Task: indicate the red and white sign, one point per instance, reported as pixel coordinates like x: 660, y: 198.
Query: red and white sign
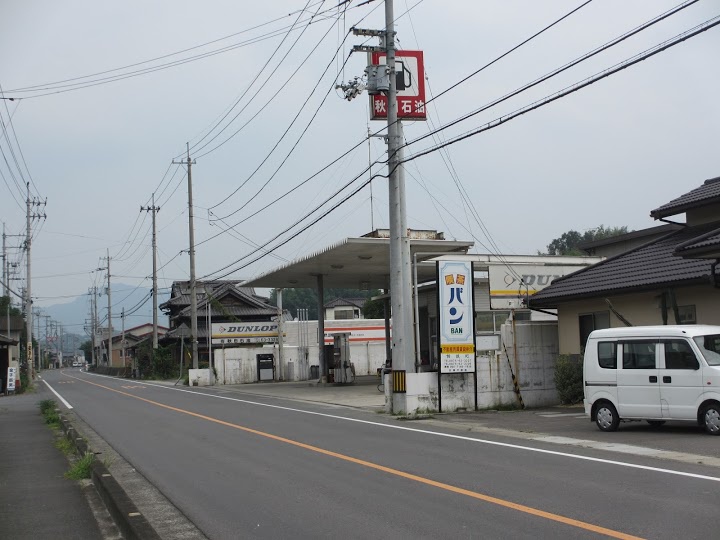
x: 410, y: 71
x: 357, y: 333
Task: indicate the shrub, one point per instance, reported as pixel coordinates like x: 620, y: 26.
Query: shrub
x: 568, y: 379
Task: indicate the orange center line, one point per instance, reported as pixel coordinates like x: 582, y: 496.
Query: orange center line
x: 409, y: 476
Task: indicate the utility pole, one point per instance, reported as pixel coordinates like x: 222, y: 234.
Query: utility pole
x: 28, y: 297
x: 403, y: 357
x: 193, y: 291
x: 403, y: 342
x: 6, y: 283
x: 109, y: 308
x: 155, y: 209
x: 95, y: 327
x: 40, y: 362
x: 29, y: 357
x: 122, y: 338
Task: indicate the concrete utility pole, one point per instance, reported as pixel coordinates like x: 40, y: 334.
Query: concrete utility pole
x: 28, y: 297
x: 122, y: 337
x: 155, y: 209
x: 403, y: 357
x: 193, y: 291
x: 109, y: 300
x: 6, y: 283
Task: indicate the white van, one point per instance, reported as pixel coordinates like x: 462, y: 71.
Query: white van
x: 653, y: 373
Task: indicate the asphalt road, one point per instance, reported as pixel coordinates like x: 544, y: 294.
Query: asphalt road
x: 269, y: 468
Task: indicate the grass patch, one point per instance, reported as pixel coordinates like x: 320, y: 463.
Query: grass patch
x: 82, y: 468
x: 52, y: 418
x: 64, y: 445
x: 46, y: 405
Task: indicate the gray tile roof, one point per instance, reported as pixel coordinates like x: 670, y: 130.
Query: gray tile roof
x: 704, y: 246
x: 648, y: 267
x: 357, y: 302
x: 708, y: 193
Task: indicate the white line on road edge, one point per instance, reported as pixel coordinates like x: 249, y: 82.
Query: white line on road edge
x: 439, y: 434
x: 58, y: 395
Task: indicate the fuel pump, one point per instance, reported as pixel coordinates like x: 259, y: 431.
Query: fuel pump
x: 344, y: 372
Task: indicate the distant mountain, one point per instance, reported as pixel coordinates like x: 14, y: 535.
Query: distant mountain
x: 136, y: 301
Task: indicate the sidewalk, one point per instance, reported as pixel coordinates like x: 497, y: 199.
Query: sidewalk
x: 36, y: 501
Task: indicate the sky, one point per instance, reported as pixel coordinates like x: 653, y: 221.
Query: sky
x: 96, y: 150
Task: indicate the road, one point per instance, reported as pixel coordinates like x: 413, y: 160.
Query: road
x: 270, y: 468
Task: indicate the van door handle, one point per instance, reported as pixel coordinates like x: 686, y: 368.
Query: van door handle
x: 667, y: 379
x: 653, y: 378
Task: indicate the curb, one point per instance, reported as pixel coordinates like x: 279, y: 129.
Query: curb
x: 132, y: 523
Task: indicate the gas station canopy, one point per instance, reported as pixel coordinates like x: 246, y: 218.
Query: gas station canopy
x: 357, y: 263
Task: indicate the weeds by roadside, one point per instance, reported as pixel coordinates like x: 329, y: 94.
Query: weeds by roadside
x: 82, y: 468
x: 47, y: 409
x: 64, y: 445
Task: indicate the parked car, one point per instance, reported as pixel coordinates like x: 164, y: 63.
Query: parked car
x: 653, y: 373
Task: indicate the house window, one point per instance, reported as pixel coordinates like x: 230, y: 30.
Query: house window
x: 687, y: 315
x: 344, y: 314
x: 592, y: 321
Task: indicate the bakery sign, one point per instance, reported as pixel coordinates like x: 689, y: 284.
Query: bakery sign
x: 244, y: 332
x: 457, y: 316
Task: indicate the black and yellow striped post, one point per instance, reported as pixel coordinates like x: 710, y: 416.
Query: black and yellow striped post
x: 398, y: 382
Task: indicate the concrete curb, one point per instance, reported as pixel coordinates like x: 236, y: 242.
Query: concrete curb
x: 131, y: 522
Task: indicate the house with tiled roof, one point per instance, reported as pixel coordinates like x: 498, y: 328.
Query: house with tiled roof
x: 219, y: 301
x: 673, y: 278
x: 344, y: 308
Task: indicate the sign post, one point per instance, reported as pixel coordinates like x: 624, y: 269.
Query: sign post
x: 11, y: 374
x: 456, y: 318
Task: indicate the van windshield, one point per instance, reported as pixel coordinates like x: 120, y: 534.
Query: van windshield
x: 710, y: 348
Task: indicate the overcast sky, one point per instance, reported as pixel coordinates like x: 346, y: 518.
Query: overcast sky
x: 607, y: 154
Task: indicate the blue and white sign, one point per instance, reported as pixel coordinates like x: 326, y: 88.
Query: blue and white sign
x: 457, y: 316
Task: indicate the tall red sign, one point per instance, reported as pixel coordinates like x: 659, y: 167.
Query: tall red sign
x: 410, y: 71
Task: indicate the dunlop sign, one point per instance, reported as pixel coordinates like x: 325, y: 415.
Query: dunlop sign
x: 457, y: 316
x: 244, y: 332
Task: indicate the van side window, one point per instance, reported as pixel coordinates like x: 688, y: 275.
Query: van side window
x: 607, y: 354
x: 679, y: 355
x: 639, y: 355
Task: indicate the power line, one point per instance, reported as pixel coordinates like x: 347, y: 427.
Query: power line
x: 591, y: 80
x: 707, y: 25
x: 556, y: 71
x: 292, y: 149
x: 262, y: 69
x: 58, y: 88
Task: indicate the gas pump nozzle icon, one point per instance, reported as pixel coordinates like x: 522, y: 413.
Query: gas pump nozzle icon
x: 403, y: 76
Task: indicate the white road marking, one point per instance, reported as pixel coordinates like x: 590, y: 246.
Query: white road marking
x: 450, y: 435
x: 560, y: 415
x: 58, y: 395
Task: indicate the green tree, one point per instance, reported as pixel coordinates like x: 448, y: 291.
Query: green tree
x: 86, y: 347
x: 569, y: 241
x: 374, y: 309
x: 4, y: 301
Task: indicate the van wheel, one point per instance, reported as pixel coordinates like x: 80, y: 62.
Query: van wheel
x: 711, y: 418
x: 606, y: 417
x: 655, y: 423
